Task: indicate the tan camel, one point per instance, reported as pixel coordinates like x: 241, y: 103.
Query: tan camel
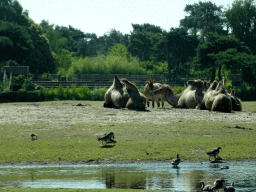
x: 189, y: 98
x: 216, y: 98
x: 117, y: 95
x: 137, y: 100
x: 149, y: 87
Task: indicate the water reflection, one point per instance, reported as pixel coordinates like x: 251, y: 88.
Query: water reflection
x: 154, y: 176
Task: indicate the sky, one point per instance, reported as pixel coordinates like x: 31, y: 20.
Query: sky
x: 100, y: 16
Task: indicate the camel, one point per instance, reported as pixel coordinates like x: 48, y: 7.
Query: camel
x: 189, y: 98
x: 137, y: 100
x: 117, y: 95
x: 216, y: 98
x: 149, y: 87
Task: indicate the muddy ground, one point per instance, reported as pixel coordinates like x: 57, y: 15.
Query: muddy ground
x: 68, y: 114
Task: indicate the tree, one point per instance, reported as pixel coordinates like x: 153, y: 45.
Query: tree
x: 181, y: 47
x: 203, y: 17
x: 143, y: 40
x: 220, y: 50
x: 22, y: 40
x: 109, y: 39
x: 242, y: 19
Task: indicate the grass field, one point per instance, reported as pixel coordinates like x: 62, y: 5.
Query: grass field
x: 135, y: 141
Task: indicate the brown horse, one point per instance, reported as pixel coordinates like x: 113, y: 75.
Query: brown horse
x: 149, y: 87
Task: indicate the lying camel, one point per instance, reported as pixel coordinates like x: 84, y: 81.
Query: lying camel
x: 117, y: 95
x: 216, y: 98
x: 189, y: 98
x: 149, y: 87
x: 137, y: 100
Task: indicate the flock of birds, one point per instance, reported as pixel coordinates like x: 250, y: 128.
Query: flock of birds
x: 218, y: 184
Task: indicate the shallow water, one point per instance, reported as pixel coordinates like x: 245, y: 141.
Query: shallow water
x: 150, y: 176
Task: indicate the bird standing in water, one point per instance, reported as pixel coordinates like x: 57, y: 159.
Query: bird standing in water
x: 176, y: 161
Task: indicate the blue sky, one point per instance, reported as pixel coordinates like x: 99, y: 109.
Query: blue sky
x: 100, y: 16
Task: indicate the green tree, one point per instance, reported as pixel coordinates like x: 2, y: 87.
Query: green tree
x: 242, y: 20
x: 143, y: 40
x: 221, y: 50
x: 204, y: 17
x: 181, y: 48
x: 22, y: 40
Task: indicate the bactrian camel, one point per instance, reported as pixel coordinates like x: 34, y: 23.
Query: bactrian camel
x: 189, y: 98
x: 117, y: 95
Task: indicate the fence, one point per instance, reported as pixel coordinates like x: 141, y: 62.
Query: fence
x: 97, y: 80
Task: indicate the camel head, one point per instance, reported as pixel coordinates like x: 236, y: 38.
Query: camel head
x: 196, y: 83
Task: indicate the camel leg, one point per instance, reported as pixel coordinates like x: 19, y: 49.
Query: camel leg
x: 148, y: 102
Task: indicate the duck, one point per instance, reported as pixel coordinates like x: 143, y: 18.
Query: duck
x: 230, y: 188
x: 206, y: 188
x: 176, y: 161
x: 219, y: 184
x: 214, y: 153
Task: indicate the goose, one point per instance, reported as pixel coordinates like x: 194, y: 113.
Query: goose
x: 219, y: 184
x: 206, y: 188
x: 176, y: 161
x: 224, y: 167
x: 32, y: 135
x: 107, y: 137
x: 214, y: 153
x: 230, y: 188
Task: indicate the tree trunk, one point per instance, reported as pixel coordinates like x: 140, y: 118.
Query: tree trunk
x: 219, y: 73
x: 213, y: 74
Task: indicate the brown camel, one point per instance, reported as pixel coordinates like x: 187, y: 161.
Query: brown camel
x: 189, y: 98
x: 117, y: 95
x: 149, y: 87
x: 137, y: 100
x: 216, y: 98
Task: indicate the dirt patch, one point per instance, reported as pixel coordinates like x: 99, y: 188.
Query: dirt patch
x: 70, y: 114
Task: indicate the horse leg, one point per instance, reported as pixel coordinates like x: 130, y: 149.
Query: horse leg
x: 153, y: 103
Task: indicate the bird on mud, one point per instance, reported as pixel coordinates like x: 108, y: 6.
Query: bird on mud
x: 207, y: 187
x: 108, y: 138
x: 214, y: 153
x: 230, y: 188
x: 176, y: 161
x: 32, y: 135
x: 219, y: 184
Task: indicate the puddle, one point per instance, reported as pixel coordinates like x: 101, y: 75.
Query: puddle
x: 149, y: 176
